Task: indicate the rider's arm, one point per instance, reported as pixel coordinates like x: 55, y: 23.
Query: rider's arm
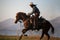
x: 33, y: 11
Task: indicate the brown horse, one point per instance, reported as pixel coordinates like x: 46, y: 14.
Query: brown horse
x: 42, y: 24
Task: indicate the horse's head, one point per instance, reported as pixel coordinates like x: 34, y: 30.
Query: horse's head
x: 20, y: 16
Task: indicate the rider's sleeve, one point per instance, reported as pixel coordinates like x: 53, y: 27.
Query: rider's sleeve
x: 33, y: 11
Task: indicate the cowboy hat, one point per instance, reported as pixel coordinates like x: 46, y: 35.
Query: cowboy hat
x: 31, y: 4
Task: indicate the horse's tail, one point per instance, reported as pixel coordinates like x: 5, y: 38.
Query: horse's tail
x: 52, y: 28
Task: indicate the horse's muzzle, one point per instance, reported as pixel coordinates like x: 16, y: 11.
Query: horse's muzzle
x: 15, y: 22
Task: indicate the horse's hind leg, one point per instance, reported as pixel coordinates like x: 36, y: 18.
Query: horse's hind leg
x: 48, y: 35
x: 42, y: 35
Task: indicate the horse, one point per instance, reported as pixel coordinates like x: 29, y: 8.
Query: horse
x: 43, y: 24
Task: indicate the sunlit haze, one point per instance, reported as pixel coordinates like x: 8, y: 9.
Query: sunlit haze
x: 49, y: 9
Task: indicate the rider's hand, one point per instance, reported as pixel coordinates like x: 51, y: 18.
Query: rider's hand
x: 28, y: 13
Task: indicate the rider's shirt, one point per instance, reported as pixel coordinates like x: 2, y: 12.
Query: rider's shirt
x: 35, y: 10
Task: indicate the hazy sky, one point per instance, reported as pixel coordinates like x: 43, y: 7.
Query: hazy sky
x: 49, y: 8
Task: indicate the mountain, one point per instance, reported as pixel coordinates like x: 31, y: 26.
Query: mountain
x: 56, y: 24
x: 8, y: 27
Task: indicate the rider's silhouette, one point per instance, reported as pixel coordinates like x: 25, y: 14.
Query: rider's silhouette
x: 36, y: 13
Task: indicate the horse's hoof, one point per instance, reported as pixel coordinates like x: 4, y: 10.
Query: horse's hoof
x: 25, y: 35
x: 40, y: 38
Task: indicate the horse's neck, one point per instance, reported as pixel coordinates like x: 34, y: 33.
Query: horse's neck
x: 24, y: 19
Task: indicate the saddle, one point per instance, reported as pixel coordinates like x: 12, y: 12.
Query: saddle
x: 34, y: 21
x: 41, y: 20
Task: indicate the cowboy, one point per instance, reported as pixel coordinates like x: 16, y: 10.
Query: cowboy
x: 36, y: 13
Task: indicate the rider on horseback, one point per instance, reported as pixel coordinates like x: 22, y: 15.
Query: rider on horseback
x: 36, y: 13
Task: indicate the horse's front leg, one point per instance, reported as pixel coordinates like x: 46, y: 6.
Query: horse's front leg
x: 23, y: 32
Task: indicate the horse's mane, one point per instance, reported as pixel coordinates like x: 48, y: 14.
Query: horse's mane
x: 22, y: 14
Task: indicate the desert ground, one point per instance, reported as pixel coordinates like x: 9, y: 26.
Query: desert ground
x: 26, y: 38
